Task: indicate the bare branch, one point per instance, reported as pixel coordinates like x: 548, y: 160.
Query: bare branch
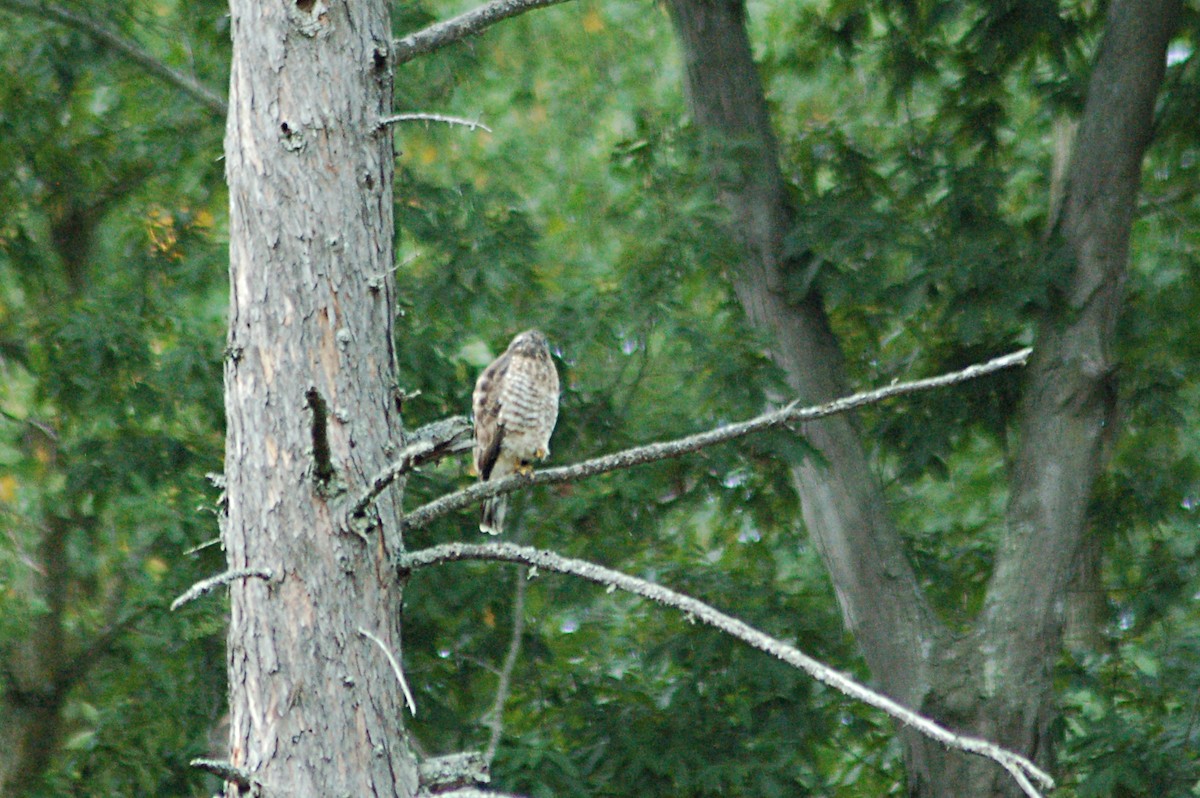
x: 226, y: 771
x: 695, y: 609
x: 440, y: 34
x: 201, y: 546
x: 208, y: 585
x: 494, y: 719
x: 425, y: 117
x: 408, y: 696
x: 785, y: 416
x: 427, y: 444
x: 464, y: 769
x: 130, y: 50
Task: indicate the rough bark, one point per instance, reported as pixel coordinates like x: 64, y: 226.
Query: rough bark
x: 315, y: 708
x: 996, y: 681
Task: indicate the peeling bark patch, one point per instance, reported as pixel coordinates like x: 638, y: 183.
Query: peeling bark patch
x: 305, y: 5
x: 323, y: 470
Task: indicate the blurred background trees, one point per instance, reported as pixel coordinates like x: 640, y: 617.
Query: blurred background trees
x: 111, y: 323
x: 922, y: 145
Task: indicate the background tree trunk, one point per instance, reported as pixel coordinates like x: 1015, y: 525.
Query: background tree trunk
x: 996, y: 682
x: 842, y: 501
x: 30, y: 714
x: 315, y: 708
x: 1070, y: 393
x: 43, y: 668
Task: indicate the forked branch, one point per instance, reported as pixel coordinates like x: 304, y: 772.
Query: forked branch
x: 785, y: 416
x: 1021, y: 769
x: 426, y: 445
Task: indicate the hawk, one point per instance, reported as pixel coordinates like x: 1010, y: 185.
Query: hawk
x: 516, y: 406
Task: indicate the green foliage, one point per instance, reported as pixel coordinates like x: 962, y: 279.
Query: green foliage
x: 1131, y: 719
x: 919, y: 140
x: 111, y: 295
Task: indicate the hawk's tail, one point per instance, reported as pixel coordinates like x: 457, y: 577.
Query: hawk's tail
x: 492, y: 520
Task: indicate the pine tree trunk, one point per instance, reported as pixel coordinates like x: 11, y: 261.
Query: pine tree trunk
x: 315, y: 708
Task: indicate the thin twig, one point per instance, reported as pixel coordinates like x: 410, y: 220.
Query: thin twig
x: 33, y: 423
x: 508, y: 552
x: 131, y: 50
x: 494, y: 719
x: 202, y: 546
x: 408, y: 696
x: 208, y: 585
x: 425, y: 117
x: 785, y: 416
x: 440, y: 34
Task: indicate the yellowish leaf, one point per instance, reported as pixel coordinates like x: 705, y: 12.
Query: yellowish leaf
x: 593, y: 22
x: 42, y: 453
x: 8, y: 489
x: 156, y: 567
x: 203, y: 219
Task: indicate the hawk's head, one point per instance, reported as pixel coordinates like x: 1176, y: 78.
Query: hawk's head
x: 531, y: 343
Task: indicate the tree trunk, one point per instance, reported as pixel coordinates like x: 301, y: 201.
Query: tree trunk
x: 33, y: 698
x: 995, y: 682
x: 842, y: 501
x: 314, y: 706
x: 1069, y: 396
x: 41, y: 670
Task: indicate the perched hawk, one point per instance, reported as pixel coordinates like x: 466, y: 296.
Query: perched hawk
x: 516, y: 405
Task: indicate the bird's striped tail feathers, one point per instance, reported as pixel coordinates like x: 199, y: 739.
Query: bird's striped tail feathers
x: 492, y: 519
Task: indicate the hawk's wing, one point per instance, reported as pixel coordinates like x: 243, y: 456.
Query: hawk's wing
x: 485, y: 403
x: 488, y: 457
